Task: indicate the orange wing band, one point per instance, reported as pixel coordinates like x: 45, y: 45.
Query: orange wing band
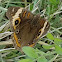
x: 32, y: 45
x: 28, y: 15
x: 15, y: 37
x: 24, y: 14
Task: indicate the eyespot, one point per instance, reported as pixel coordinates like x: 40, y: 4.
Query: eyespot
x: 16, y: 22
x: 17, y: 31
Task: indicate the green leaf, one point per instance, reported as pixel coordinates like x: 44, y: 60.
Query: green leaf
x: 50, y: 36
x: 40, y: 52
x: 57, y: 41
x: 47, y: 46
x: 58, y: 49
x: 42, y: 59
x: 29, y: 51
x: 26, y: 60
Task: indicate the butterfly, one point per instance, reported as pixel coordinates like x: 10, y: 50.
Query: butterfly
x: 27, y: 27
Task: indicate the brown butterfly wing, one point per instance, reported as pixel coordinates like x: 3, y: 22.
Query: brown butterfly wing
x: 11, y: 12
x: 27, y: 28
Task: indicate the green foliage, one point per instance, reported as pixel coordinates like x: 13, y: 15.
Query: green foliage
x: 58, y: 41
x: 13, y: 54
x: 26, y: 60
x: 57, y: 44
x: 50, y: 36
x: 58, y: 49
x: 30, y: 52
x: 56, y: 21
x: 42, y: 59
x: 54, y: 2
x: 47, y: 46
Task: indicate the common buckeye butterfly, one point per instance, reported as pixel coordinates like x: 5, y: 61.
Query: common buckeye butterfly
x: 27, y: 27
